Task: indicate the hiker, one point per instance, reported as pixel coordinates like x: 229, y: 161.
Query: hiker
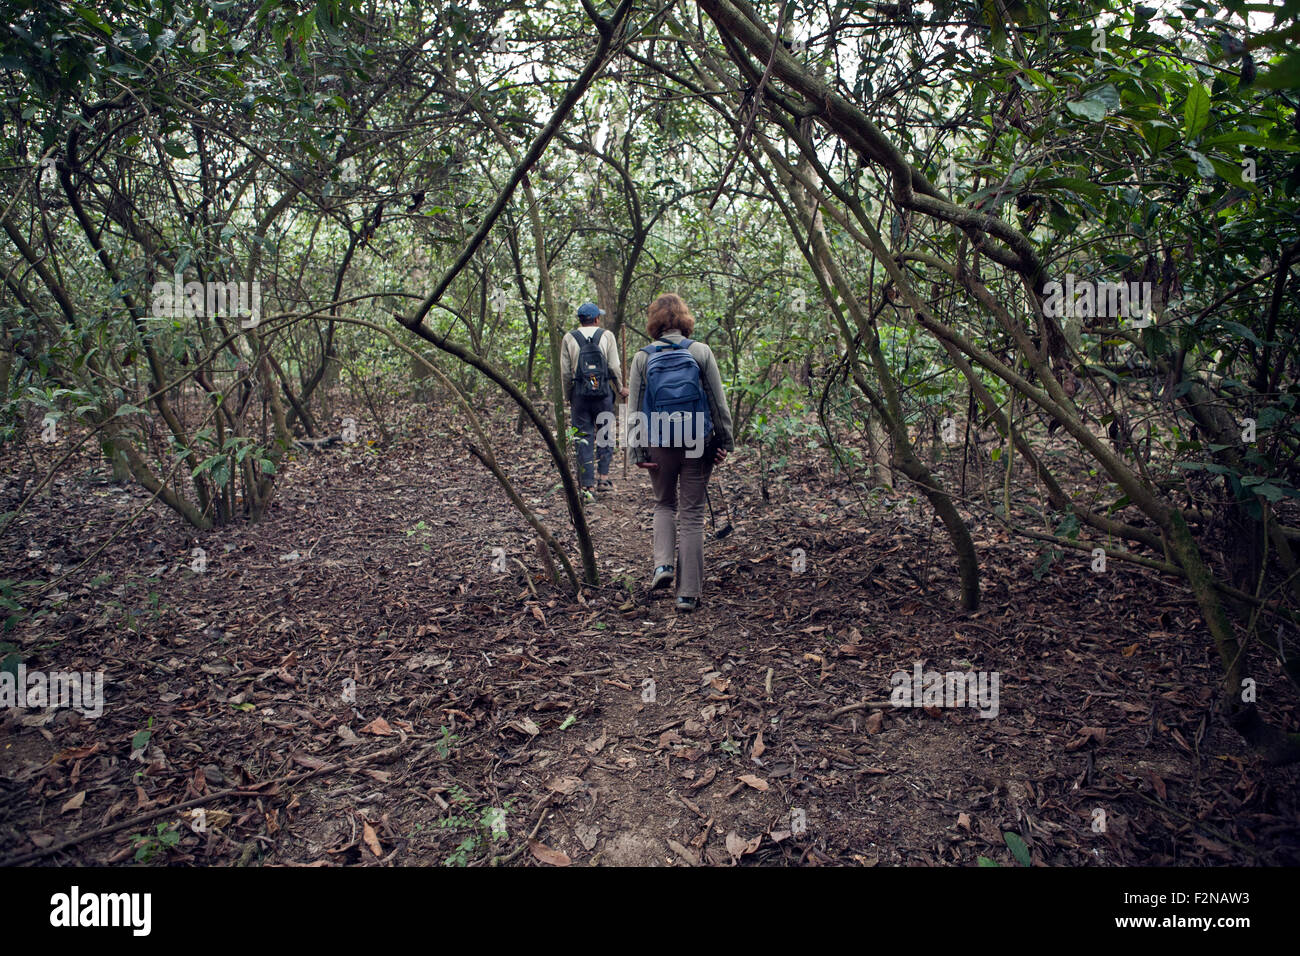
x: 589, y: 366
x: 684, y: 430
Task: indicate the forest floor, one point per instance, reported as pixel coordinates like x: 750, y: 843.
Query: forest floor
x: 497, y: 717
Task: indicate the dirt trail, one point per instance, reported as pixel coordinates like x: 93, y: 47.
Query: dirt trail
x: 364, y: 630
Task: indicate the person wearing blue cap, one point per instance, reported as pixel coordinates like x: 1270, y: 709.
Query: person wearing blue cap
x: 589, y: 369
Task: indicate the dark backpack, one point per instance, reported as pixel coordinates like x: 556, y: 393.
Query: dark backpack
x: 591, y: 377
x: 674, y: 386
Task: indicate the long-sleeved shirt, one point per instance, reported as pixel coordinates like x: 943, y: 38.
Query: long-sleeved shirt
x: 570, y: 350
x: 709, y: 375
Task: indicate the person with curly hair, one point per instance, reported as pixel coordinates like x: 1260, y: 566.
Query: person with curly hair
x: 679, y: 469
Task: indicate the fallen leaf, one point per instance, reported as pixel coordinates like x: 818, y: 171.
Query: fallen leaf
x: 687, y: 855
x: 1159, y: 786
x: 738, y: 846
x: 963, y: 820
x: 668, y: 738
x: 566, y: 785
x: 379, y: 727
x: 875, y: 722
x: 74, y: 803
x: 1086, y: 734
x: 372, y: 841
x: 758, y: 783
x: 1129, y: 651
x: 587, y: 836
x: 525, y: 725
x: 705, y: 780
x: 77, y: 753
x: 757, y: 750
x: 547, y: 855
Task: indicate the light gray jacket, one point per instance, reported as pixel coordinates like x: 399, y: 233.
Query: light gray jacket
x: 710, y: 376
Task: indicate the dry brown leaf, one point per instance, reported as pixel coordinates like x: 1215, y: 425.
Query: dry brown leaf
x: 566, y: 785
x: 758, y: 783
x: 74, y: 803
x: 738, y: 846
x: 690, y: 856
x: 875, y: 722
x: 705, y: 780
x: 525, y: 725
x: 759, y: 747
x: 547, y: 855
x: 379, y: 727
x: 1086, y: 734
x: 963, y: 820
x: 1158, y: 785
x: 77, y: 753
x: 372, y: 841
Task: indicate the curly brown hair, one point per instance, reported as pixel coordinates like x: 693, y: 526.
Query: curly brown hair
x: 669, y: 312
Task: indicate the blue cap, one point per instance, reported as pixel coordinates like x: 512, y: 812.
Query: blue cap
x: 590, y: 310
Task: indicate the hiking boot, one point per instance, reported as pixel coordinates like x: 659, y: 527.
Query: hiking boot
x: 588, y: 494
x: 663, y: 577
x: 604, y: 484
x: 685, y: 605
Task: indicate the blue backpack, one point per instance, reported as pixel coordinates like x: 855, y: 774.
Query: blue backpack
x: 673, y: 386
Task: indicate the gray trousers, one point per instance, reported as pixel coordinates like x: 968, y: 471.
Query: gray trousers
x: 679, y: 485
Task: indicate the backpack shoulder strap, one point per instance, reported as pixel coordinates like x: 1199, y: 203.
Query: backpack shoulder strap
x: 595, y: 338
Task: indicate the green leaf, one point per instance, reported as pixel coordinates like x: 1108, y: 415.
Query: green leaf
x: 140, y: 739
x: 985, y: 861
x: 1196, y: 112
x: 1018, y: 848
x: 1283, y: 76
x: 1089, y: 109
x: 1106, y: 94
